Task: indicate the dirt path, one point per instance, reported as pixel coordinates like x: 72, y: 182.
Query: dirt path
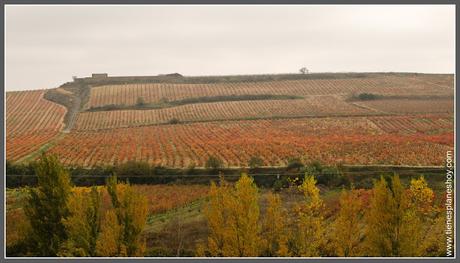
x: 72, y: 114
x: 73, y: 99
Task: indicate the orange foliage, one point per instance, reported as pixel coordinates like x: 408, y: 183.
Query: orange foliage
x: 329, y: 140
x: 31, y: 121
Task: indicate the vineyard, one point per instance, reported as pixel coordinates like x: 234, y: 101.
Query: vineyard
x: 411, y: 106
x: 230, y: 110
x: 328, y: 140
x: 404, y: 120
x: 156, y: 92
x: 427, y: 124
x: 30, y: 122
x: 160, y: 198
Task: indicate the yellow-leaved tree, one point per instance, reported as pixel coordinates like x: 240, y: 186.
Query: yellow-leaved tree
x: 233, y: 214
x: 394, y: 224
x: 274, y: 236
x: 217, y: 217
x: 130, y: 208
x: 83, y: 224
x: 109, y: 242
x: 308, y: 234
x: 245, y: 217
x: 421, y: 216
x: 347, y: 232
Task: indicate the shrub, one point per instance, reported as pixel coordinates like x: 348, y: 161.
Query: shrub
x: 133, y: 168
x: 278, y: 185
x: 255, y: 162
x: 19, y: 169
x: 294, y: 163
x: 214, y: 163
x: 190, y: 168
x: 329, y: 176
x: 174, y: 121
x: 140, y: 102
x: 368, y: 96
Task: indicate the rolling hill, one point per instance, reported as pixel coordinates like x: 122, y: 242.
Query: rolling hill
x: 175, y: 121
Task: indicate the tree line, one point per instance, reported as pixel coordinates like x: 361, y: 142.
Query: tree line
x: 391, y: 220
x: 387, y: 220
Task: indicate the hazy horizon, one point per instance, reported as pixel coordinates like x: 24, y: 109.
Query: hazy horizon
x: 46, y: 45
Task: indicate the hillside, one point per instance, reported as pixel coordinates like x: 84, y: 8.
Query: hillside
x: 31, y: 121
x: 175, y: 121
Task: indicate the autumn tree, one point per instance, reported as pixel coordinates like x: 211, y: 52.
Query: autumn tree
x: 109, y: 243
x: 274, y: 236
x: 434, y: 244
x: 130, y: 209
x: 83, y: 224
x: 420, y: 216
x: 245, y: 216
x: 217, y: 213
x: 232, y: 214
x: 393, y: 227
x: 309, y: 228
x: 380, y: 221
x: 421, y: 197
x: 47, y: 206
x: 347, y: 226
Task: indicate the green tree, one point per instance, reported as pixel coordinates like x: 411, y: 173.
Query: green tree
x: 47, y: 206
x: 294, y: 163
x: 255, y: 162
x: 214, y: 163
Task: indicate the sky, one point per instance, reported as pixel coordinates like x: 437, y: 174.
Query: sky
x: 46, y: 45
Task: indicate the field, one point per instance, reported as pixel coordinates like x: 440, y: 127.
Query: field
x: 429, y: 124
x: 409, y: 122
x: 329, y: 140
x: 314, y: 106
x: 385, y: 85
x: 410, y: 106
x: 31, y: 121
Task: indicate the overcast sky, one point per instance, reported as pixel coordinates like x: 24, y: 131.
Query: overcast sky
x: 46, y: 45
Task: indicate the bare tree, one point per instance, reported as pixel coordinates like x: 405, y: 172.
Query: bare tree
x: 303, y: 70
